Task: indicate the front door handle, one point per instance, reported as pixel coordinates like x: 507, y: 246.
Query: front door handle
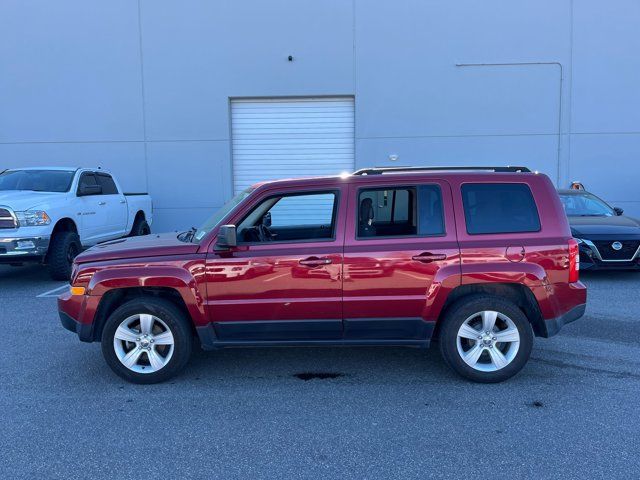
x: 315, y: 261
x: 427, y: 257
x: 102, y: 203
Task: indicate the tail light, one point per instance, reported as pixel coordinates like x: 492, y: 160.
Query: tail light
x: 574, y: 261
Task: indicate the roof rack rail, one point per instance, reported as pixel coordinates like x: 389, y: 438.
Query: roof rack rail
x: 381, y: 170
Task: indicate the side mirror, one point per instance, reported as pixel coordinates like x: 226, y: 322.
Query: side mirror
x: 618, y: 210
x: 86, y: 190
x: 227, y: 237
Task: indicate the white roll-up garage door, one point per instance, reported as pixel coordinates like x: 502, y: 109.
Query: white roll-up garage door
x: 293, y: 137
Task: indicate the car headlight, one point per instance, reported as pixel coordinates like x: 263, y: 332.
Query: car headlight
x: 32, y: 218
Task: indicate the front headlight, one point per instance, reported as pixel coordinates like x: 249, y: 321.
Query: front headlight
x: 32, y: 218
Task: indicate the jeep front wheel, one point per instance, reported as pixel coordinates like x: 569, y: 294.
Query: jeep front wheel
x: 147, y: 340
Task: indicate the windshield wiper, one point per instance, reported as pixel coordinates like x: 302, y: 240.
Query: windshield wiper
x: 188, y: 235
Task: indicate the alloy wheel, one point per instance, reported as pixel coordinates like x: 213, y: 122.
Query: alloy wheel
x: 143, y: 343
x: 488, y: 341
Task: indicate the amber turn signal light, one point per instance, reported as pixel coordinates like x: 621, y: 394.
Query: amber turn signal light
x: 77, y: 290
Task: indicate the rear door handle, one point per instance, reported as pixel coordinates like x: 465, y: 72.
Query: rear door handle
x: 429, y: 257
x: 315, y: 261
x: 102, y: 203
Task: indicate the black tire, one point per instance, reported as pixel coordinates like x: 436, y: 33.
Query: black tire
x: 466, y: 307
x: 63, y: 248
x: 140, y: 228
x: 176, y: 321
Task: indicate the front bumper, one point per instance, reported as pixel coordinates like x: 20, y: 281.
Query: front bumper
x: 23, y: 248
x: 83, y: 330
x: 77, y: 313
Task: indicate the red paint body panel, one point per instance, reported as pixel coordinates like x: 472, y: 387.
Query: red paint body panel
x: 268, y: 282
x: 368, y: 278
x: 381, y: 279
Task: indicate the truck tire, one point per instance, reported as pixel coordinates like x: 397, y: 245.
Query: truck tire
x: 486, y: 339
x: 147, y: 340
x: 140, y: 228
x: 63, y: 248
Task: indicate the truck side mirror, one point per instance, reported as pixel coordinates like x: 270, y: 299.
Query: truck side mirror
x: 226, y: 237
x: 618, y: 210
x: 86, y: 190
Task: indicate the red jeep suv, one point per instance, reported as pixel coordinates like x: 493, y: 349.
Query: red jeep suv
x: 479, y: 260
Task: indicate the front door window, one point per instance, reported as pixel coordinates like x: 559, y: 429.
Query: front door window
x: 291, y: 218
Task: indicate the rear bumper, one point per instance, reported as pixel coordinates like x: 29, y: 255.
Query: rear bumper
x: 554, y: 325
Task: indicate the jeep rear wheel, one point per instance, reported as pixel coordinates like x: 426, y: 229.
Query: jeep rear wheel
x: 147, y: 340
x: 486, y: 339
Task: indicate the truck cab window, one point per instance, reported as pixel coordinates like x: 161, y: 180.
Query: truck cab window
x: 87, y: 180
x: 107, y: 184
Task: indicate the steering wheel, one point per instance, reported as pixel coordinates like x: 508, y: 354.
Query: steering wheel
x: 264, y: 234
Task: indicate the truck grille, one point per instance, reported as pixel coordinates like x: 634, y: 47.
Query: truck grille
x: 629, y: 248
x: 7, y: 219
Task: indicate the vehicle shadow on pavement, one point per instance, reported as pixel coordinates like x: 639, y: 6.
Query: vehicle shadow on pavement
x: 350, y: 364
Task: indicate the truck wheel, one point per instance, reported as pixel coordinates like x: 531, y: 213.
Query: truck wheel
x: 140, y: 228
x: 485, y: 339
x: 63, y: 248
x: 147, y: 340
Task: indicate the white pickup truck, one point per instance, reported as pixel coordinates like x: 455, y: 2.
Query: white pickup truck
x: 49, y: 214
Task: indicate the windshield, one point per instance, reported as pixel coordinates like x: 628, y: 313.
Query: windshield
x: 37, y: 180
x: 585, y: 205
x: 222, y: 212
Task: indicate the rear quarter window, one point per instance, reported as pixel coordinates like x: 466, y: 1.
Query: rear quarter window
x: 499, y: 208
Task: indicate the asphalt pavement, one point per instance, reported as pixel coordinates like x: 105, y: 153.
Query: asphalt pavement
x: 573, y: 412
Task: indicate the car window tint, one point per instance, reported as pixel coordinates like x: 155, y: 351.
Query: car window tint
x: 295, y: 217
x: 107, y: 184
x: 300, y: 210
x: 431, y: 217
x: 499, y: 208
x: 387, y: 212
x: 87, y: 180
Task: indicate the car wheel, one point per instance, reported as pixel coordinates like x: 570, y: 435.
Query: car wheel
x: 485, y: 339
x: 140, y: 228
x: 63, y: 248
x: 147, y: 340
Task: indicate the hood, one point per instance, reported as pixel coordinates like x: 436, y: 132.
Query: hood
x: 20, y: 200
x: 153, y: 245
x: 616, y: 225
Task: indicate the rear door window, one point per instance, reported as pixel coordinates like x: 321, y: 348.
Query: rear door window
x: 499, y: 208
x: 400, y: 212
x: 107, y: 184
x: 87, y: 180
